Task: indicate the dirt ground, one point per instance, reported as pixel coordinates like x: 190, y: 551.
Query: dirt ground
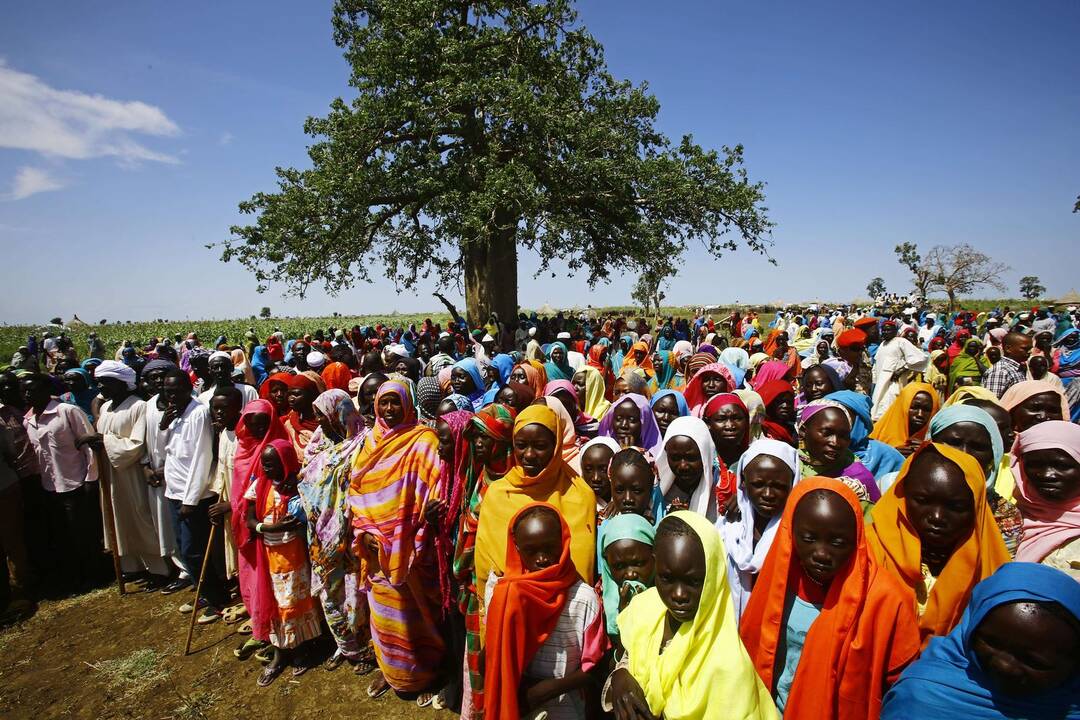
x: 100, y: 656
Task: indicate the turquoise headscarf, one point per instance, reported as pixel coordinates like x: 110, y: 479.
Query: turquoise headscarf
x: 620, y: 527
x: 555, y: 371
x: 970, y: 413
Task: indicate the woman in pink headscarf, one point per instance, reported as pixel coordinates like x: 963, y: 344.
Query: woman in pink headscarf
x: 1047, y: 470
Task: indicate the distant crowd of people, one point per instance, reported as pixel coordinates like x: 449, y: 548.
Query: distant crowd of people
x: 838, y: 513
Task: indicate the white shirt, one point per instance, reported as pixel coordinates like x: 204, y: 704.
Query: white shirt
x: 249, y: 393
x: 188, y: 455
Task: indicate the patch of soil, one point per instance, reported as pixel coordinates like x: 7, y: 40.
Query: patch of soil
x: 62, y: 663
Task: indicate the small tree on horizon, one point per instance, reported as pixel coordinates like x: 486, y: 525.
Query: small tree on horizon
x: 648, y: 290
x: 1031, y: 288
x: 264, y: 313
x: 876, y: 287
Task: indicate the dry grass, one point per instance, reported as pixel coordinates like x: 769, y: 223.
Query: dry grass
x: 194, y: 706
x: 135, y: 673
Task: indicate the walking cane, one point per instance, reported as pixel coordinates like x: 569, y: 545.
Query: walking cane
x: 105, y: 485
x: 198, y: 589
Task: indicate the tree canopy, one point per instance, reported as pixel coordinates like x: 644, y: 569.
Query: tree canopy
x: 876, y: 287
x: 1031, y: 288
x: 478, y: 128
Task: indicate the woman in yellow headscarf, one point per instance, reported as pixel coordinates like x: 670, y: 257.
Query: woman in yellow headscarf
x: 589, y: 383
x: 684, y: 662
x: 539, y: 475
x: 938, y: 539
x: 903, y: 426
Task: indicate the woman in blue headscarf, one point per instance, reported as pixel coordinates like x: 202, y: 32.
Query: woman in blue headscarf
x: 665, y: 371
x: 504, y: 365
x: 1015, y: 654
x: 666, y: 406
x: 877, y: 457
x: 260, y: 364
x: 558, y: 364
x: 82, y: 390
x: 467, y: 380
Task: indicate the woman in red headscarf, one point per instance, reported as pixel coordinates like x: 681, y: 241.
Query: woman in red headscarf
x: 301, y: 422
x: 337, y: 375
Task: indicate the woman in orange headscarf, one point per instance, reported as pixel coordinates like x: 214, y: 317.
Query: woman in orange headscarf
x: 939, y: 540
x: 531, y: 373
x: 539, y: 475
x: 337, y: 375
x: 638, y: 357
x: 862, y: 630
x: 904, y: 424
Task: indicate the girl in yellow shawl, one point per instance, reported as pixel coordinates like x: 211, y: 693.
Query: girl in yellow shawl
x: 589, y: 383
x: 684, y: 659
x: 539, y: 475
x: 393, y: 476
x: 935, y: 530
x: 903, y: 426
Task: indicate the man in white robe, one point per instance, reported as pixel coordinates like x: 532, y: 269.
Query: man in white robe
x: 896, y: 364
x: 154, y: 469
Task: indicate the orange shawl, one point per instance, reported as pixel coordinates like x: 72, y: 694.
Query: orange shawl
x: 864, y: 637
x: 525, y: 607
x: 892, y: 427
x: 895, y: 545
x: 638, y: 356
x: 337, y: 375
x: 537, y: 376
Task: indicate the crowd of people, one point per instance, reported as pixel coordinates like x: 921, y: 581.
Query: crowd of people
x: 838, y: 513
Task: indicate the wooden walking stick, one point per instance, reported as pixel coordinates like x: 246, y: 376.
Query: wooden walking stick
x: 105, y: 486
x: 198, y: 588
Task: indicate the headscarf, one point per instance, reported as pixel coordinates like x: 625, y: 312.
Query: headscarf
x: 638, y: 357
x: 557, y: 371
x: 472, y: 367
x: 597, y: 361
x: 947, y: 681
x: 705, y: 664
x: 665, y: 375
x: 1017, y: 394
x: 556, y: 484
x: 695, y: 429
x: 260, y: 364
x: 971, y: 392
x: 452, y: 486
x: 256, y: 588
x: 756, y: 407
x: 970, y: 413
x: 769, y: 392
x: 428, y: 398
x: 596, y: 405
x: 571, y: 453
x: 695, y: 393
x: 735, y: 357
x: 744, y: 559
x: 895, y: 544
x: 770, y: 371
x: 301, y: 431
x: 696, y: 362
x: 536, y: 376
x: 524, y: 610
x: 619, y: 527
x: 650, y: 432
x: 393, y: 476
x: 337, y: 375
x: 892, y: 427
x: 315, y: 378
x: 112, y: 369
x: 1047, y: 525
x: 680, y: 401
x: 877, y: 457
x: 240, y: 362
x: 864, y: 635
x: 85, y: 398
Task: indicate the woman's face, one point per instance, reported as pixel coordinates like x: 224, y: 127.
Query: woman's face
x: 665, y: 410
x: 271, y: 465
x: 258, y: 424
x: 627, y: 424
x: 279, y: 394
x: 534, y: 448
x: 462, y: 382
x: 971, y: 438
x: 713, y: 384
x: 824, y: 533
x: 939, y: 504
x: 782, y: 408
x: 390, y: 409
x: 684, y: 459
x: 1036, y: 409
x: 922, y: 406
x: 1053, y: 474
x: 822, y: 349
x: 728, y: 426
x: 518, y: 375
x: 300, y: 400
x: 1026, y: 649
x: 594, y: 470
x: 816, y: 383
x: 680, y: 574
x: 826, y: 436
x: 446, y: 440
x: 768, y: 482
x: 482, y: 447
x: 631, y: 489
x: 630, y: 560
x: 538, y: 538
x: 558, y: 356
x: 579, y: 388
x: 620, y: 388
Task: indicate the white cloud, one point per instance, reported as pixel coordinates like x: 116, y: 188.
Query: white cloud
x: 30, y: 181
x: 225, y: 139
x: 74, y: 125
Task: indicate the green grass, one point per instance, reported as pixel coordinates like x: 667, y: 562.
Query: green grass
x: 133, y: 674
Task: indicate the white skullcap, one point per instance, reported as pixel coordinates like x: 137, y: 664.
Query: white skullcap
x: 487, y: 338
x: 563, y: 336
x: 117, y: 370
x: 220, y: 354
x: 532, y: 331
x: 316, y: 359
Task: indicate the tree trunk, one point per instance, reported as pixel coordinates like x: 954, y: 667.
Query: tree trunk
x: 952, y: 300
x: 491, y: 278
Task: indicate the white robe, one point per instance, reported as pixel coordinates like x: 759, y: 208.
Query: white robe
x: 896, y: 355
x: 124, y: 432
x: 155, y: 456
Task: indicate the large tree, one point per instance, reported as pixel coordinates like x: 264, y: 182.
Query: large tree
x: 960, y: 269
x: 478, y: 128
x: 1031, y: 288
x: 907, y: 254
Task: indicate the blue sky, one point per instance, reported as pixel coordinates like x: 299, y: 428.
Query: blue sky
x: 129, y: 131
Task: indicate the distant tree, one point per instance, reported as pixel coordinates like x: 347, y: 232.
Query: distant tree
x: 921, y: 276
x: 478, y: 128
x: 876, y: 287
x: 648, y: 290
x: 56, y: 321
x: 959, y: 269
x: 103, y: 322
x: 264, y: 313
x: 1076, y: 207
x: 1031, y: 288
